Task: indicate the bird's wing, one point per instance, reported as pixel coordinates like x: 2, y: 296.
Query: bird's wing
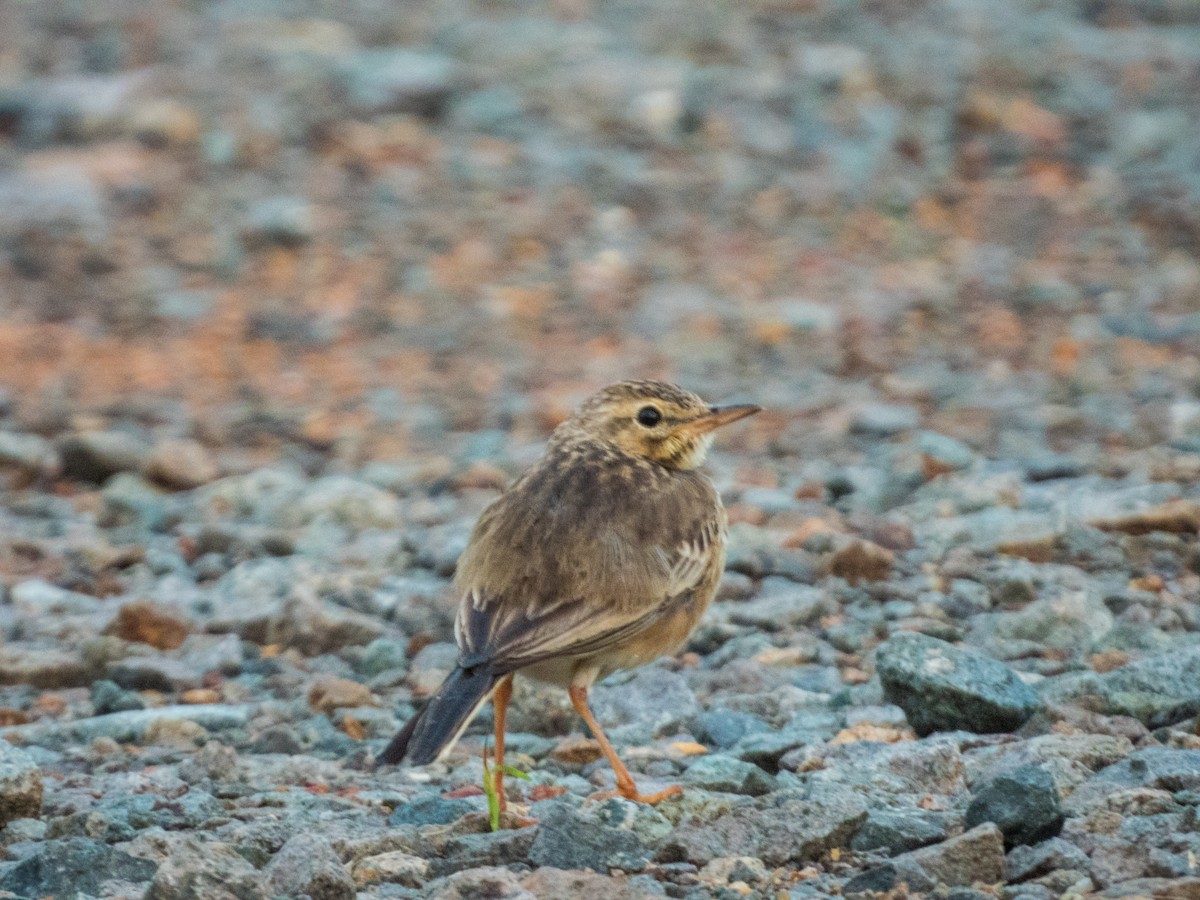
x: 511, y: 633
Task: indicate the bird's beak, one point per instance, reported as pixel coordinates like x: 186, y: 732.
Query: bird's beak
x: 721, y: 415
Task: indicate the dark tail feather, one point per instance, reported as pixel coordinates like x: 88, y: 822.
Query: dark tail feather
x: 443, y: 718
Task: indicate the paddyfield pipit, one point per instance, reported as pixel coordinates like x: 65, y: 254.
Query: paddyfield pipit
x: 601, y: 557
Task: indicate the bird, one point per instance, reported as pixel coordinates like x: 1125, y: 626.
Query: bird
x: 602, y: 556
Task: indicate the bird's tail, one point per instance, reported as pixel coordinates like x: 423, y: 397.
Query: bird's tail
x: 436, y: 728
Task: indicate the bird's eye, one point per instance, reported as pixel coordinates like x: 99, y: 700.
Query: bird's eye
x: 649, y: 416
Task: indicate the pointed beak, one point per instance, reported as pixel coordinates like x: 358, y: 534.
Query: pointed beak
x: 721, y: 415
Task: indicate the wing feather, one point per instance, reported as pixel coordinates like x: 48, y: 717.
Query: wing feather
x: 557, y: 568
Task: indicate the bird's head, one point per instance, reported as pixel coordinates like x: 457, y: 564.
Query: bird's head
x: 655, y: 421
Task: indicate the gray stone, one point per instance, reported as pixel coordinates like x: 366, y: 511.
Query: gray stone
x: 206, y: 870
x: 788, y: 826
x: 1023, y: 803
x: 945, y: 450
x: 44, y: 667
x: 382, y: 655
x: 398, y: 80
x: 730, y: 775
x: 27, y: 452
x: 1163, y: 768
x: 491, y: 848
x: 280, y: 221
x: 722, y: 728
x: 899, y: 830
x: 20, y: 784
x: 110, y: 697
x: 974, y: 856
x: 1152, y: 687
x: 308, y: 865
x: 345, y: 501
x: 943, y: 688
x: 483, y: 883
x: 431, y: 809
x: 73, y: 867
x: 653, y: 703
x: 393, y: 867
x: 131, y: 501
x: 154, y: 673
x: 1027, y: 861
x: 130, y: 726
x: 572, y: 839
x: 95, y: 456
x: 884, y: 419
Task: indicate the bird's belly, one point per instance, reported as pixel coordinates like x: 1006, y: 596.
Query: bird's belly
x: 662, y: 638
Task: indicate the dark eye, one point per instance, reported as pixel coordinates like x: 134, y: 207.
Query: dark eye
x: 649, y: 416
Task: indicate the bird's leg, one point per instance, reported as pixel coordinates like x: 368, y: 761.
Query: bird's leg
x: 500, y: 707
x: 625, y: 786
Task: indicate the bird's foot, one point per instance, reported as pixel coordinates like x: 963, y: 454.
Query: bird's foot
x: 672, y: 791
x: 631, y: 793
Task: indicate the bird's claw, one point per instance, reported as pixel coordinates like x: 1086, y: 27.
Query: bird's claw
x: 633, y: 794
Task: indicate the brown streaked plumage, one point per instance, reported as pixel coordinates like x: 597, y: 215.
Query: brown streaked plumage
x: 601, y: 557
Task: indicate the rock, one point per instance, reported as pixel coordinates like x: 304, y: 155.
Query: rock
x: 1154, y: 889
x: 44, y: 667
x: 326, y: 694
x: 788, y: 826
x: 898, y: 830
x: 128, y: 727
x: 505, y: 847
x: 345, y: 501
x: 490, y: 882
x: 20, y: 785
x: 206, y: 870
x: 1164, y: 768
x: 882, y: 420
x: 730, y: 775
x: 73, y: 867
x: 860, y: 560
x: 944, y: 450
x: 754, y: 552
x: 398, y: 80
x: 430, y: 809
x: 37, y: 598
x: 394, y: 867
x: 1151, y: 687
x: 280, y: 222
x: 722, y: 728
x: 154, y: 673
x: 1073, y: 620
x: 726, y: 869
x: 974, y: 856
x: 278, y: 739
x: 96, y: 456
x: 551, y: 882
x: 382, y: 655
x: 653, y: 703
x: 571, y: 839
x: 182, y: 464
x: 131, y: 501
x: 110, y: 697
x: 149, y: 623
x: 307, y: 865
x: 314, y: 626
x: 27, y: 452
x: 1031, y: 861
x: 1023, y: 803
x: 942, y: 687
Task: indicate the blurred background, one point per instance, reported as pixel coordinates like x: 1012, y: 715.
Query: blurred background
x: 338, y: 232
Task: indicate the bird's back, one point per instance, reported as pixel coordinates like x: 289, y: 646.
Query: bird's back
x: 589, y: 523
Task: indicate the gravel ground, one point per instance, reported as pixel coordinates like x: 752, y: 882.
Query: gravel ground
x: 290, y: 291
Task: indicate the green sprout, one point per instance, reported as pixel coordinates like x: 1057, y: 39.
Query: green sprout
x: 489, y: 788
